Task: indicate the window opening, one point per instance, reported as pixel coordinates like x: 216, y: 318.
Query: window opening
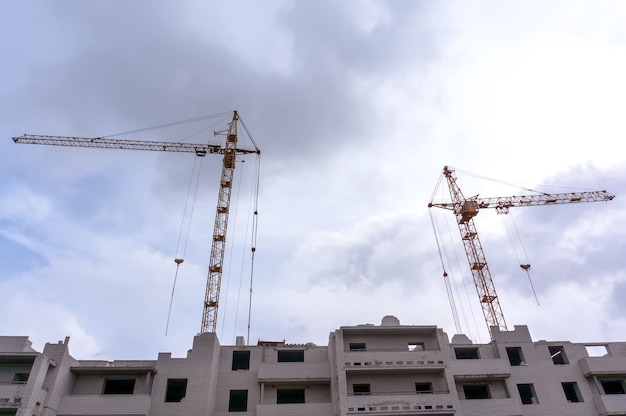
x: 476, y: 391
x: 20, y: 378
x: 361, y: 389
x: 238, y: 401
x: 423, y: 388
x: 527, y: 393
x: 466, y: 353
x: 285, y: 396
x: 515, y: 356
x: 557, y: 353
x: 176, y: 389
x: 119, y: 386
x: 596, y: 350
x: 357, y: 346
x: 290, y: 356
x: 241, y: 360
x: 613, y: 386
x: 416, y: 346
x: 572, y: 394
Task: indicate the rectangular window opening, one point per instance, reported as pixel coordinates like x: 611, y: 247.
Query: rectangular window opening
x: 423, y: 388
x: 557, y: 353
x: 596, y: 350
x: 527, y: 393
x: 241, y: 360
x: 515, y: 356
x: 361, y: 389
x: 466, y: 353
x: 286, y: 396
x: 176, y: 389
x: 119, y: 386
x: 238, y: 401
x: 416, y: 346
x: 357, y: 346
x: 572, y: 394
x: 290, y: 356
x: 613, y: 386
x: 476, y: 391
x: 20, y: 378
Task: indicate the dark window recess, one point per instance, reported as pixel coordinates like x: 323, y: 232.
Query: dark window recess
x: 290, y: 356
x: 119, y: 386
x: 20, y: 378
x: 571, y: 392
x: 515, y: 356
x: 466, y: 353
x: 285, y: 396
x: 476, y: 391
x: 238, y: 401
x: 557, y: 353
x: 357, y: 346
x: 423, y: 388
x: 527, y: 393
x: 241, y: 360
x: 361, y: 389
x: 613, y: 386
x: 176, y: 389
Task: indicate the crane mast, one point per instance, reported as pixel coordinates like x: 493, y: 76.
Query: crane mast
x: 465, y: 209
x: 230, y: 150
x: 214, y: 278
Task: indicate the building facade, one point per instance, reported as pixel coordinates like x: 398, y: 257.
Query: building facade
x: 374, y: 370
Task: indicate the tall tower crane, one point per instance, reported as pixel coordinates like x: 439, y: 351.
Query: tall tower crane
x: 465, y: 209
x: 230, y: 150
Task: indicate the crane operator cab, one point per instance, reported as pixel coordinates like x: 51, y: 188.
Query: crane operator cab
x: 469, y: 209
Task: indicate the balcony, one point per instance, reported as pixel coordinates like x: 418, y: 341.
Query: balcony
x: 107, y: 404
x: 10, y: 390
x: 481, y: 369
x: 426, y: 361
x: 610, y: 404
x: 491, y: 406
x: 300, y: 409
x: 602, y: 366
x: 438, y: 402
x: 294, y: 372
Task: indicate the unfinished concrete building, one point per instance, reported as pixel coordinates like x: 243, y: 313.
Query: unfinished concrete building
x: 386, y: 369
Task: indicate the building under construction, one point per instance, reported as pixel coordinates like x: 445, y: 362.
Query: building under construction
x: 386, y: 369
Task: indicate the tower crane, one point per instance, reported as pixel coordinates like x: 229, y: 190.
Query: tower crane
x: 465, y: 209
x: 229, y: 150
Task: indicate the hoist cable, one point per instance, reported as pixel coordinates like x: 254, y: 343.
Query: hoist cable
x: 243, y: 254
x: 455, y: 315
x: 178, y: 260
x: 526, y: 265
x: 254, y: 237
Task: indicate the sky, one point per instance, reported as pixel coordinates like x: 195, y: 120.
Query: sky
x: 356, y: 107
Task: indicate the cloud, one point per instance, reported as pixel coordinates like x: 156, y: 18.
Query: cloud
x: 356, y: 108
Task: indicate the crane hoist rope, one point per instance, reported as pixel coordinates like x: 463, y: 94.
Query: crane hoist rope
x: 229, y: 150
x: 465, y: 209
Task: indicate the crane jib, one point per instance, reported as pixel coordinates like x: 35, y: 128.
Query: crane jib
x: 198, y: 148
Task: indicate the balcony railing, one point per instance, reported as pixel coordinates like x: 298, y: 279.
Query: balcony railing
x: 400, y: 393
x: 301, y: 409
x: 105, y: 404
x: 439, y: 402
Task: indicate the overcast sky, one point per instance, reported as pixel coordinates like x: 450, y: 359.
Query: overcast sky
x: 356, y: 106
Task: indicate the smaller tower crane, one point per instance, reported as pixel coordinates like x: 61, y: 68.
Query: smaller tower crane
x: 230, y: 150
x: 465, y: 209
